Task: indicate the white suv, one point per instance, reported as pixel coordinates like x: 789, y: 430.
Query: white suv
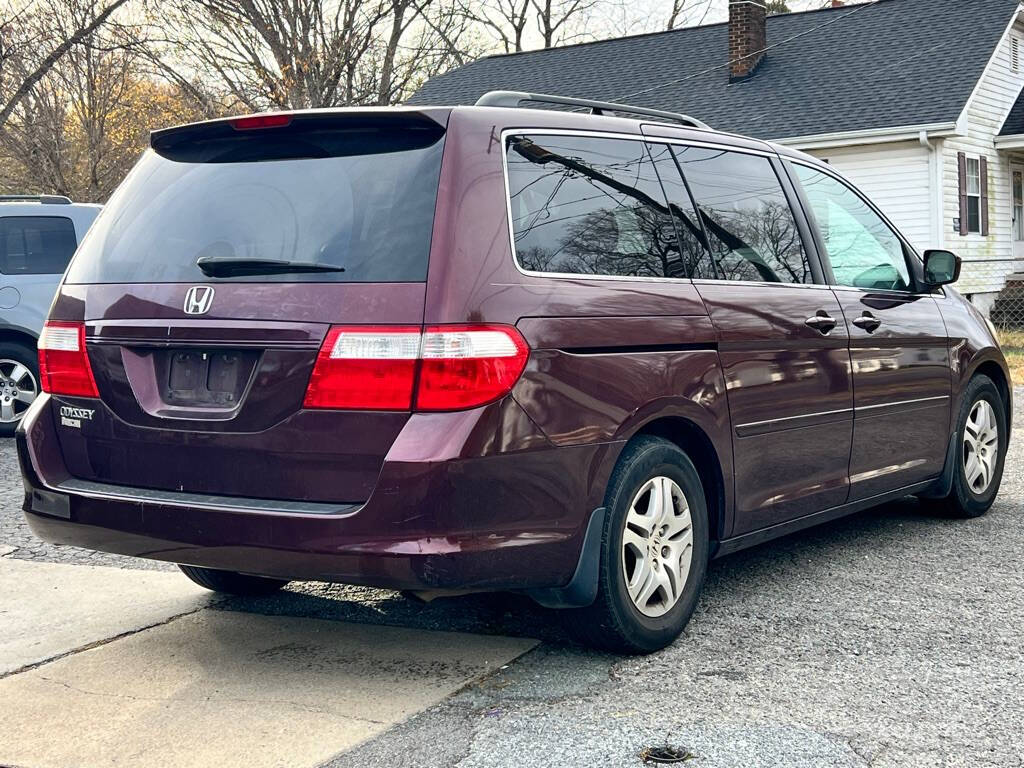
x: 38, y: 235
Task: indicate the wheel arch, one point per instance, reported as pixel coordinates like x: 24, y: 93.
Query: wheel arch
x: 687, y: 425
x: 698, y: 445
x: 13, y: 335
x: 992, y: 368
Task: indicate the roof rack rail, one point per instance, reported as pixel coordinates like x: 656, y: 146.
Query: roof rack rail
x: 515, y: 98
x: 45, y: 199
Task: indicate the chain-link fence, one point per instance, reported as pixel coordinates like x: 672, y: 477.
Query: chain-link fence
x: 1008, y: 310
x: 1007, y: 315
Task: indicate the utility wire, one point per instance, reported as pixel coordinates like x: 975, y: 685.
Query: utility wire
x: 767, y: 48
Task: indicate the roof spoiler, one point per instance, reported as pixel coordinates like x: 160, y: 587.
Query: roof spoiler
x: 516, y: 98
x: 295, y: 135
x: 44, y: 199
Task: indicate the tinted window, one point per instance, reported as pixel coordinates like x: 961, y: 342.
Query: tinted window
x: 746, y: 214
x: 695, y: 250
x: 589, y: 206
x: 863, y: 250
x: 36, y: 245
x: 370, y: 212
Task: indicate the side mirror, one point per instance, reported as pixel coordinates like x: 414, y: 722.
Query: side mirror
x: 941, y: 268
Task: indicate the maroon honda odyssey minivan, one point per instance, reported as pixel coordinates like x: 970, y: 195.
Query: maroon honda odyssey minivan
x: 570, y: 354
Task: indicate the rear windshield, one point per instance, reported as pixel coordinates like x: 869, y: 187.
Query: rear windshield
x: 369, y: 210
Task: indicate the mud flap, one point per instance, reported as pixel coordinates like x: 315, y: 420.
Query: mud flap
x: 581, y: 590
x: 944, y: 483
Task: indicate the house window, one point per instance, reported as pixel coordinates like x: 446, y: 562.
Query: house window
x: 973, y: 194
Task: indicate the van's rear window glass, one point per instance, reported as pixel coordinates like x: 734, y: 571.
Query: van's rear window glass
x: 36, y: 245
x: 591, y: 206
x: 370, y: 212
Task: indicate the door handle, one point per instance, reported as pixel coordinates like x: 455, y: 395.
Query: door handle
x: 821, y: 322
x: 868, y: 322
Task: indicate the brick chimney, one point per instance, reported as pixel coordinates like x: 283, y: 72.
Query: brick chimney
x: 746, y: 37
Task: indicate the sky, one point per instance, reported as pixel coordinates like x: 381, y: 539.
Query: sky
x: 718, y: 10
x: 637, y: 16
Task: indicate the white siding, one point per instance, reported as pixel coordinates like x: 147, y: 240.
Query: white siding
x: 987, y: 260
x: 897, y: 179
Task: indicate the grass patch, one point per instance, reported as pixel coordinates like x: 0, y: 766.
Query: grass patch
x: 1012, y: 342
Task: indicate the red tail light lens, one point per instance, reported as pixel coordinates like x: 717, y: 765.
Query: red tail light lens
x: 63, y: 362
x: 364, y: 368
x: 376, y: 368
x: 469, y: 365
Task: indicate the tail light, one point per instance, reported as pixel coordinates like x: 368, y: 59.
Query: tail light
x: 365, y: 368
x: 257, y: 122
x: 63, y: 362
x: 465, y: 366
x: 441, y: 368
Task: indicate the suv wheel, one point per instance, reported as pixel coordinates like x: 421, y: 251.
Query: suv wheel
x: 980, y: 450
x: 19, y: 384
x: 230, y: 582
x: 654, y: 551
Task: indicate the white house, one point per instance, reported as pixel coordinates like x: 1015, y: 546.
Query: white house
x: 919, y: 102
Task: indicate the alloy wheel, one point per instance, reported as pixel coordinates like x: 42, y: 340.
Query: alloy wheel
x: 18, y: 388
x: 981, y: 446
x: 657, y: 546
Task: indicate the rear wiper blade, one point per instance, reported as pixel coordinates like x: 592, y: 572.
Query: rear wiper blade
x: 229, y: 266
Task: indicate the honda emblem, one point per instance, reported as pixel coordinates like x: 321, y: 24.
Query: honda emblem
x: 198, y: 300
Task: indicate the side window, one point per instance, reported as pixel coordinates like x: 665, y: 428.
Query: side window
x: 589, y: 206
x: 694, y: 245
x: 745, y: 212
x: 36, y: 245
x: 863, y: 250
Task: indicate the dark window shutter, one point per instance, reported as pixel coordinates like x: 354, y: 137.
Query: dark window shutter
x: 961, y: 159
x: 984, y: 197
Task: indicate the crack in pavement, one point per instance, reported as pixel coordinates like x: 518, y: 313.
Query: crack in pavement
x: 107, y: 640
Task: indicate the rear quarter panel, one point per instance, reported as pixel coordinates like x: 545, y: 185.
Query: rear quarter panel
x: 609, y: 356
x: 35, y: 294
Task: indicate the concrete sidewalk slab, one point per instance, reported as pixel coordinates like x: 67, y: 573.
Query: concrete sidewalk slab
x: 48, y: 609
x: 223, y: 688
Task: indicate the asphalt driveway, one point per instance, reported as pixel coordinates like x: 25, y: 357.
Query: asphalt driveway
x: 888, y: 639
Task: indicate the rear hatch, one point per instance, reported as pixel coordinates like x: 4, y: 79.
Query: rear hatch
x: 209, y: 283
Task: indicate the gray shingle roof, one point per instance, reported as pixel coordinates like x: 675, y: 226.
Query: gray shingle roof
x: 894, y: 63
x: 1014, y: 124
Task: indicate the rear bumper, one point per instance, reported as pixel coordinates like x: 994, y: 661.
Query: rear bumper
x: 503, y: 521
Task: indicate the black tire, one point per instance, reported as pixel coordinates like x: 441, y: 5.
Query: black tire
x: 30, y: 359
x: 230, y: 582
x: 963, y: 501
x: 613, y: 622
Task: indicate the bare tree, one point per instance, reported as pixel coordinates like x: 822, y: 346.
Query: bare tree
x: 561, y: 21
x: 38, y: 45
x: 434, y: 38
x: 291, y: 54
x: 505, y: 20
x: 679, y: 14
x: 80, y: 127
x: 510, y: 23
